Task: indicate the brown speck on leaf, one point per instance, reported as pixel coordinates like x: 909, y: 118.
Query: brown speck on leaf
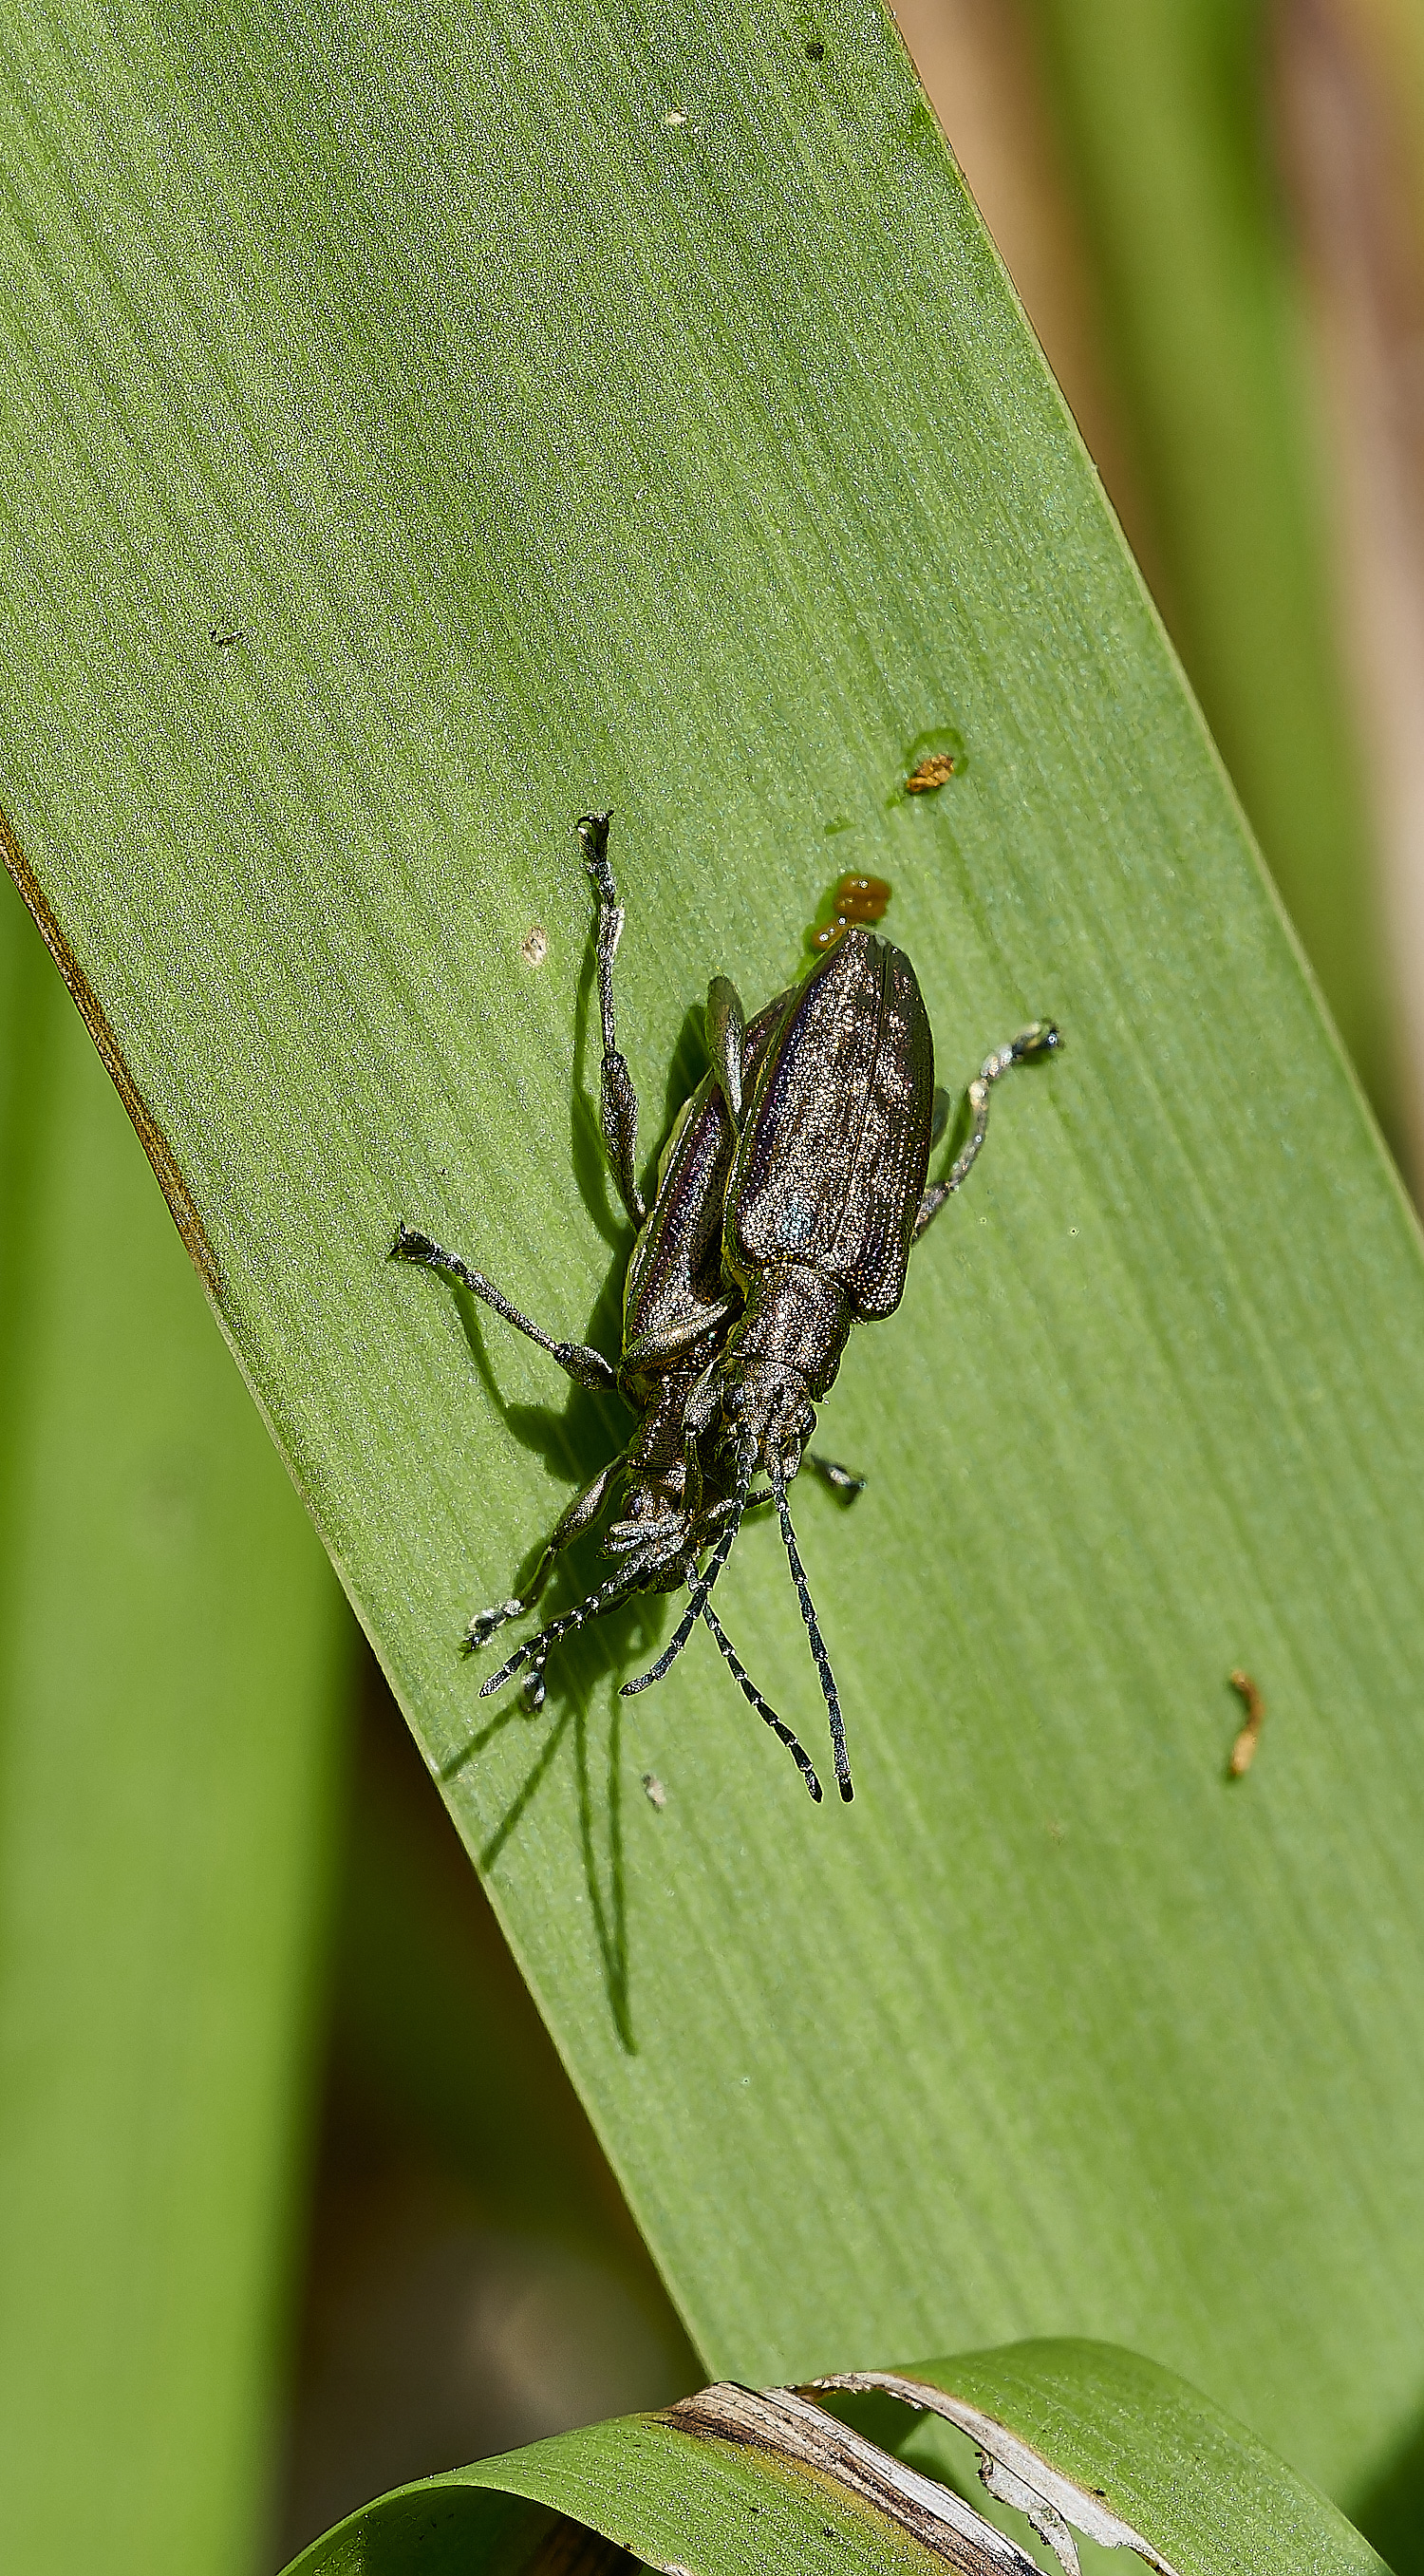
x: 932, y: 773
x: 535, y: 948
x: 657, y: 1794
x: 1243, y: 1751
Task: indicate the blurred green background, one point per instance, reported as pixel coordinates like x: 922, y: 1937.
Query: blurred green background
x: 316, y: 2247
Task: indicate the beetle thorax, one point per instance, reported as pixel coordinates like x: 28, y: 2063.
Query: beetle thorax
x: 782, y: 1356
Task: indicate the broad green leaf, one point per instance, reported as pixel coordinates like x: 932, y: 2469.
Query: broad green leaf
x: 1078, y: 2438
x: 587, y: 405
x: 173, y: 1655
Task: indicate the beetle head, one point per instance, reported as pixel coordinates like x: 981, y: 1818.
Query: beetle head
x: 768, y: 1408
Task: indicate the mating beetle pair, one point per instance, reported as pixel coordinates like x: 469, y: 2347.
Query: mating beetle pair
x: 789, y: 1195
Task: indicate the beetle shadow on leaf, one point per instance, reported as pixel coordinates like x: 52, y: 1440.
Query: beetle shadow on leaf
x: 689, y: 1063
x: 610, y: 1919
x: 576, y: 1441
x: 572, y: 1694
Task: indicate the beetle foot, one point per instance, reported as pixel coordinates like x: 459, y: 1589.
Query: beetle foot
x: 533, y: 1694
x: 485, y: 1622
x: 1039, y: 1038
x: 592, y: 830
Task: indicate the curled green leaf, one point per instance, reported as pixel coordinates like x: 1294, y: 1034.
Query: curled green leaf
x: 736, y: 2480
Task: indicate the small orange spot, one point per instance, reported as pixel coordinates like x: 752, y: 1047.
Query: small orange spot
x: 932, y: 773
x: 856, y: 899
x: 863, y: 898
x: 1243, y: 1751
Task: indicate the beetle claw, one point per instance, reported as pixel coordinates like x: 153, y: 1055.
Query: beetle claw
x: 1039, y: 1038
x: 482, y: 1627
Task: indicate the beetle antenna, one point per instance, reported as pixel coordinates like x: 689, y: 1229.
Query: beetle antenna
x: 819, y: 1655
x: 702, y: 1586
x: 744, y: 1682
x: 536, y: 1650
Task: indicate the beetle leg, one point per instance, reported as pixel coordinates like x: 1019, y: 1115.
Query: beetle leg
x: 716, y: 1513
x: 840, y: 1479
x: 535, y: 1650
x: 619, y: 1101
x: 582, y: 1512
x: 1039, y: 1039
x: 764, y: 1710
x: 586, y: 1367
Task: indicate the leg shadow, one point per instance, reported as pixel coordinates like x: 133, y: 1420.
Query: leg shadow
x: 574, y: 1439
x: 610, y: 1919
x: 689, y: 1063
x: 629, y: 1634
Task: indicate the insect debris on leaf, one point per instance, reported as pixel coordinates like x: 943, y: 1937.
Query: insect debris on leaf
x: 789, y: 1196
x: 1243, y: 1751
x: 934, y: 771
